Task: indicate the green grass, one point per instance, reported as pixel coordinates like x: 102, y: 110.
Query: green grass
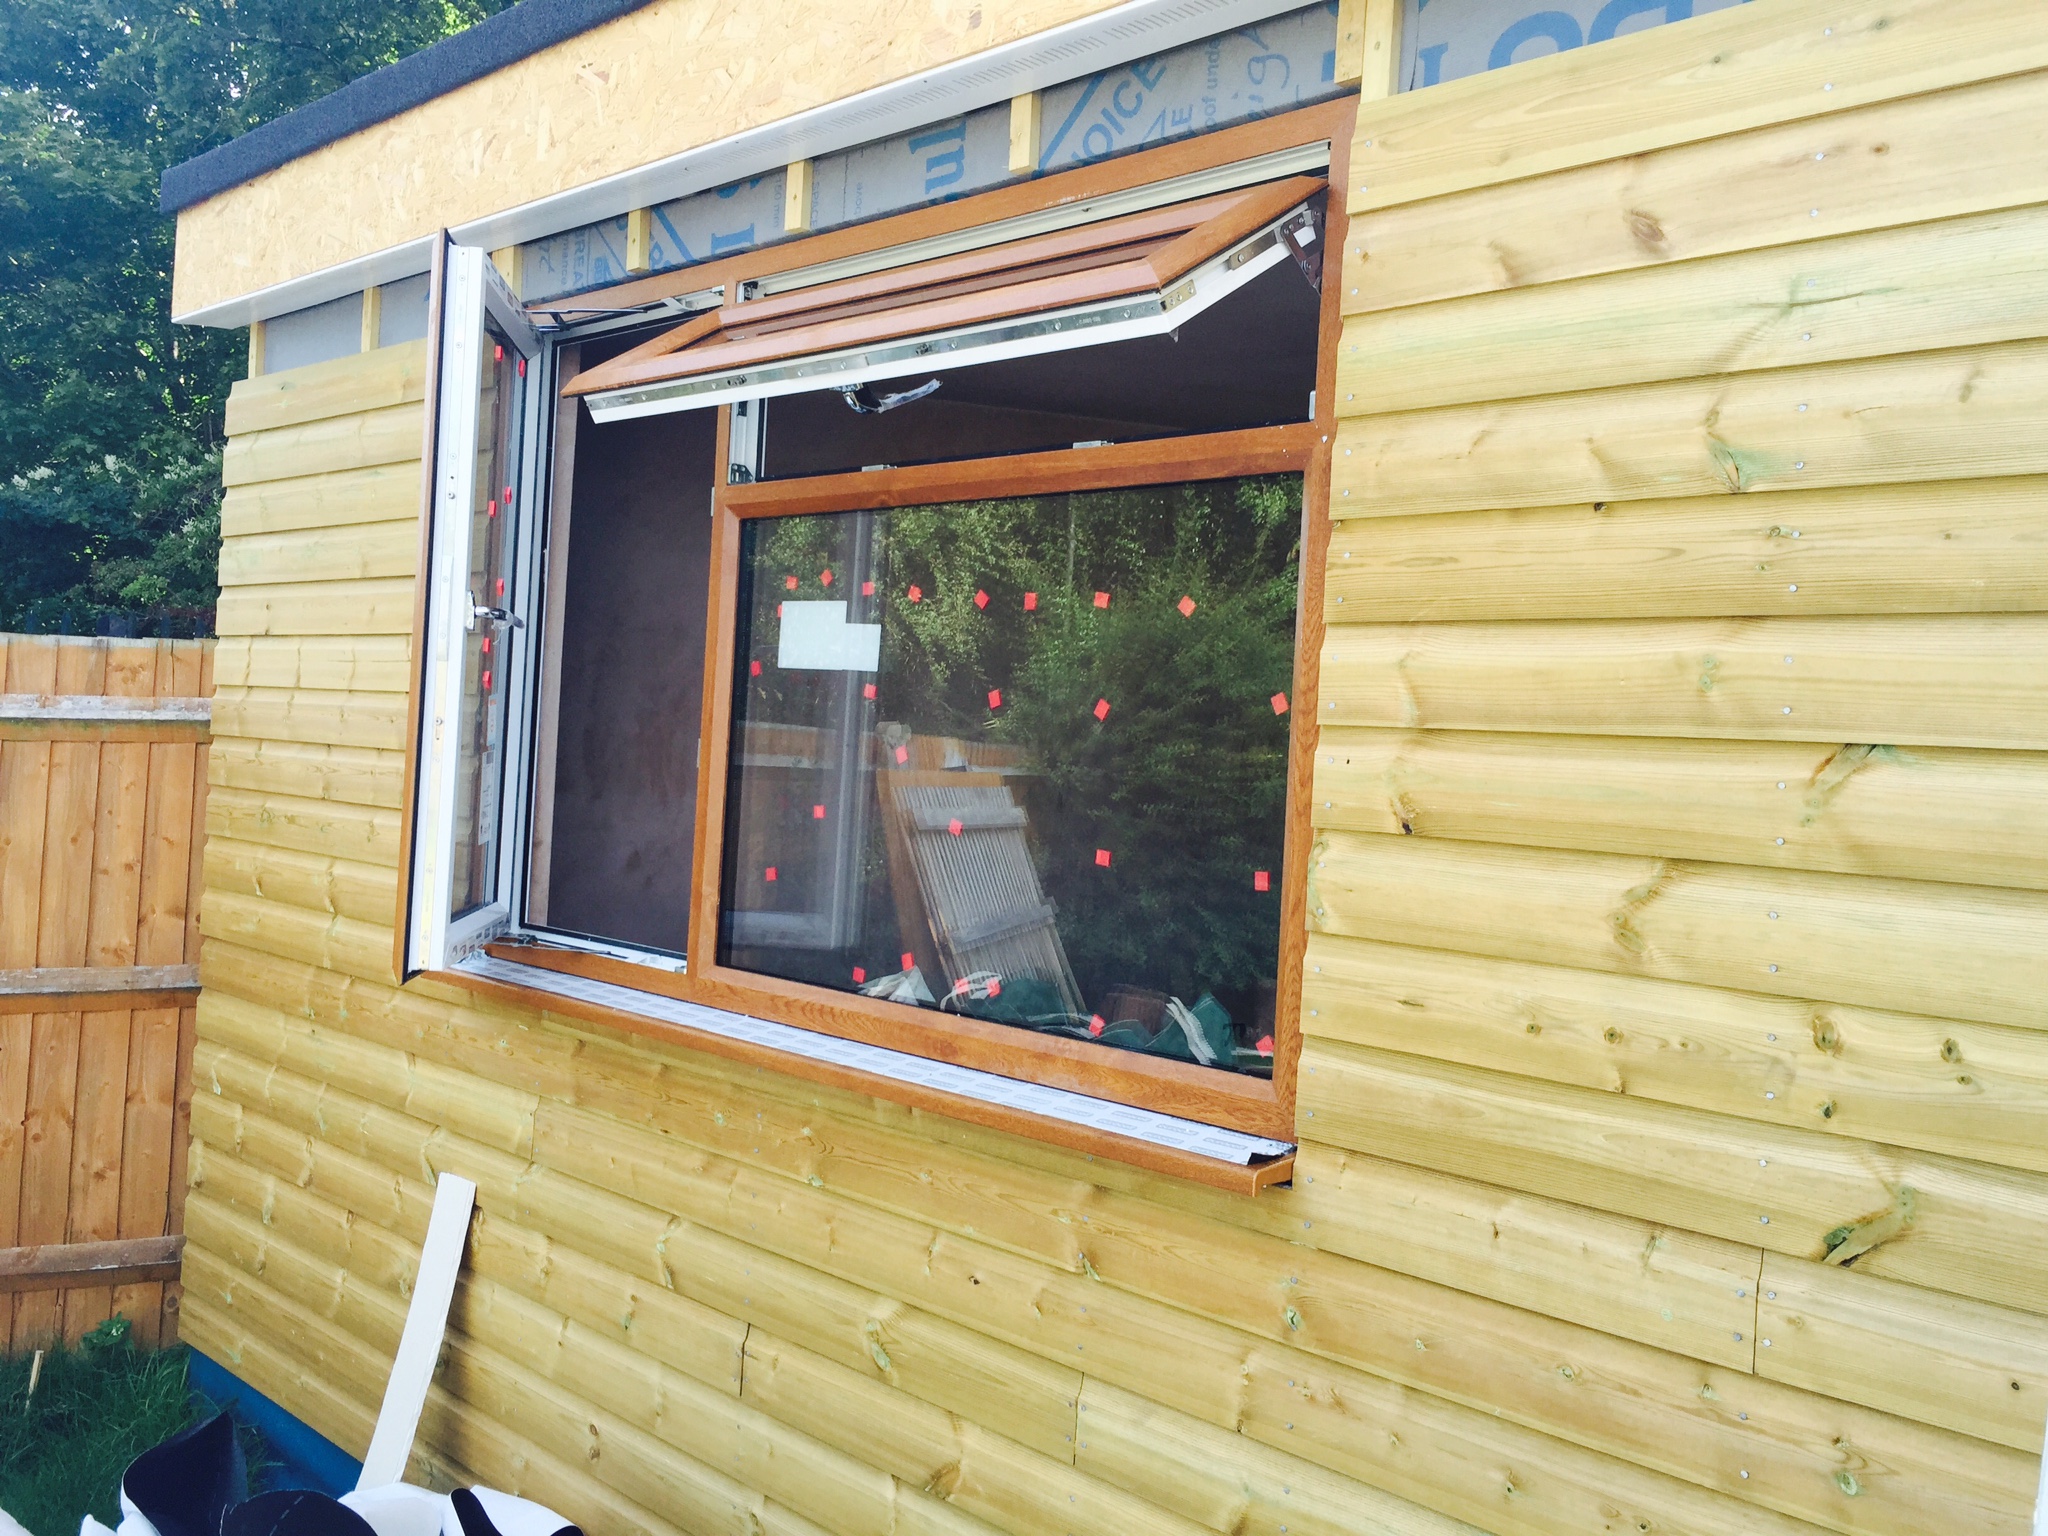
x: 95, y: 1408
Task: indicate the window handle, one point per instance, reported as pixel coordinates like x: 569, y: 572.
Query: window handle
x: 495, y: 615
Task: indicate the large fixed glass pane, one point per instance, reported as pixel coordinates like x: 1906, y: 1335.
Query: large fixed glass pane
x: 1023, y: 759
x: 480, y: 730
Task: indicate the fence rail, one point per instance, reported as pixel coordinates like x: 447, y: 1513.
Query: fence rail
x: 102, y: 813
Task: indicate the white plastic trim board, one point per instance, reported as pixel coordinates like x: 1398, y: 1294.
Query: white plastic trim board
x: 419, y: 1347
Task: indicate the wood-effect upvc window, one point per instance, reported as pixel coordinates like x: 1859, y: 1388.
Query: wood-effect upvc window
x: 890, y: 657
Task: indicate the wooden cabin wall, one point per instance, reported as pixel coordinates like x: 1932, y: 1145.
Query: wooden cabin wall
x: 1663, y: 491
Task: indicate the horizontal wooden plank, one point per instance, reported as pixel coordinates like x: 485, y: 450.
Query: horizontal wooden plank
x: 107, y: 732
x: 97, y: 989
x: 1952, y: 1226
x: 342, y: 386
x: 347, y: 945
x: 1911, y: 813
x: 392, y: 435
x: 61, y: 1266
x: 314, y: 882
x: 39, y: 708
x: 1971, y: 281
x: 237, y: 1036
x: 1230, y: 1483
x: 316, y: 716
x: 1966, y: 1365
x: 382, y: 493
x: 1967, y: 546
x: 363, y: 833
x: 1977, y: 680
x: 346, y: 775
x: 1937, y: 156
x: 382, y: 607
x: 990, y: 1477
x: 341, y: 663
x: 1966, y: 414
x: 1700, y: 78
x: 1968, y: 1090
x: 355, y: 552
x: 1948, y: 951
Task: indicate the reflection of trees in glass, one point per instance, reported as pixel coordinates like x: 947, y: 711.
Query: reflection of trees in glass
x: 1185, y: 782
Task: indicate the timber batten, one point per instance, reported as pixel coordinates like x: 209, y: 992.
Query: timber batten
x: 1673, y: 1076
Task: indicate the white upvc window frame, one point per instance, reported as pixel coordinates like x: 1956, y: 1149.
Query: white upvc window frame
x: 472, y: 291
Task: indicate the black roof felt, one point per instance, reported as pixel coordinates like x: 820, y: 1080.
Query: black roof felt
x: 503, y: 39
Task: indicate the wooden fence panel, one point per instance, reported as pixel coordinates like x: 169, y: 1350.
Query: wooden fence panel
x: 102, y: 805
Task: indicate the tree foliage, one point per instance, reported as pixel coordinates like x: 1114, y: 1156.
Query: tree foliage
x: 110, y: 416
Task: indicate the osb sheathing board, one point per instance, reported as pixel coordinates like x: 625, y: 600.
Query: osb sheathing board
x: 671, y: 77
x: 1674, y: 1101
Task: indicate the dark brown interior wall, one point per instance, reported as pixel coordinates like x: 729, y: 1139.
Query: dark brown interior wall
x: 633, y: 679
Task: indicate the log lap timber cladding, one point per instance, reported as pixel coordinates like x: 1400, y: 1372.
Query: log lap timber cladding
x: 1675, y: 1080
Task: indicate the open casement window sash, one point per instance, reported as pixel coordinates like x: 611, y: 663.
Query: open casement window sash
x: 1142, y: 274
x: 476, y: 651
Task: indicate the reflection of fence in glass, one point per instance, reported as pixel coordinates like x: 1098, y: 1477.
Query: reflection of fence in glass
x: 1446, y: 39
x: 953, y: 814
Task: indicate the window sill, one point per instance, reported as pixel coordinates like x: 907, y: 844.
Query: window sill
x: 1224, y: 1159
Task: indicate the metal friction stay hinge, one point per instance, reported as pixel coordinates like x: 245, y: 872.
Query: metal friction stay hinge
x: 1301, y: 232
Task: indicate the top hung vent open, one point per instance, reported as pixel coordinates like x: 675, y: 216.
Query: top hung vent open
x: 1143, y: 274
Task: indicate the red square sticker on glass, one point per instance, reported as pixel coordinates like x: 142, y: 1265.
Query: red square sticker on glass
x: 1265, y: 1045
x: 1261, y: 880
x: 980, y: 599
x: 902, y: 755
x: 789, y: 582
x: 1102, y: 857
x: 754, y: 669
x: 1095, y: 1024
x: 867, y: 589
x: 916, y: 593
x: 769, y: 873
x: 955, y: 826
x: 909, y: 960
x: 859, y: 975
x: 995, y: 698
x: 1102, y: 599
x: 867, y: 691
x: 1279, y: 703
x: 1187, y: 607
x: 1102, y: 709
x: 1030, y: 601
x: 825, y: 578
x: 818, y: 814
